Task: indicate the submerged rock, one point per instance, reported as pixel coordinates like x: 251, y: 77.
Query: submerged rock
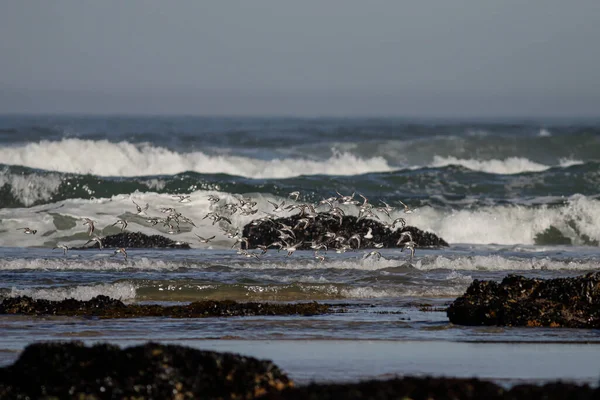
x: 266, y: 233
x: 133, y: 240
x: 151, y: 371
x: 105, y: 307
x: 519, y: 301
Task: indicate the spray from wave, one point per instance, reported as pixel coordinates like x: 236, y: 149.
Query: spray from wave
x: 104, y: 158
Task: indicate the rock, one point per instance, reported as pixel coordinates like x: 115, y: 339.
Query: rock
x: 519, y: 301
x: 151, y: 371
x: 105, y: 307
x: 133, y: 240
x: 428, y: 388
x: 70, y: 370
x: 266, y: 233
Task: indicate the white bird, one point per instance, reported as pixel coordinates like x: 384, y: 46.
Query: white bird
x: 277, y: 207
x: 204, y: 240
x: 28, y: 231
x: 96, y: 239
x: 407, y: 209
x: 122, y: 251
x: 64, y: 248
x: 140, y: 210
x: 90, y: 225
x: 403, y: 235
x: 294, y: 195
x: 373, y: 253
x: 121, y: 222
x: 411, y: 246
x: 183, y: 198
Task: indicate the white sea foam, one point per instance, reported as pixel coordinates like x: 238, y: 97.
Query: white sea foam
x: 510, y: 165
x: 120, y: 291
x: 577, y: 219
x: 105, y: 158
x: 31, y: 188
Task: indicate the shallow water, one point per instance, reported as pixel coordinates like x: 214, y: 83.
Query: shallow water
x: 511, y: 197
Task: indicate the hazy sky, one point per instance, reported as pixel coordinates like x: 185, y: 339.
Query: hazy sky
x: 276, y: 57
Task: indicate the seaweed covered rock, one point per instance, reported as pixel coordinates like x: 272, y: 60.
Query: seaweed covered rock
x: 133, y: 240
x: 265, y: 233
x: 519, y: 301
x: 429, y: 388
x: 151, y: 371
x: 105, y: 307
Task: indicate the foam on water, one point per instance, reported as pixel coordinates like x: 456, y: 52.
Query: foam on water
x: 510, y: 165
x: 104, y: 158
x: 121, y: 291
x: 578, y: 220
x: 31, y: 188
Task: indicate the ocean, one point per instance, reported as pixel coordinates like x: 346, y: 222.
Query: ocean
x: 509, y: 196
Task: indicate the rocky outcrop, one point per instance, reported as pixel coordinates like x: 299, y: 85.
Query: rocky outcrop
x: 266, y: 233
x: 105, y: 307
x: 152, y: 371
x: 519, y: 301
x: 133, y: 240
x: 71, y: 370
x: 428, y: 388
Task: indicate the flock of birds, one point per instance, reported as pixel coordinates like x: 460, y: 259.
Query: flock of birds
x: 286, y: 234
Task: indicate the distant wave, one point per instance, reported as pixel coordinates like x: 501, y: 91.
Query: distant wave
x: 104, y: 158
x: 510, y: 165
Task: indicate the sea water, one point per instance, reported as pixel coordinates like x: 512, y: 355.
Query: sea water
x: 510, y: 197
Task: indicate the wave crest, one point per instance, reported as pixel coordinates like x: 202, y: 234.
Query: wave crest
x: 508, y: 166
x: 104, y: 158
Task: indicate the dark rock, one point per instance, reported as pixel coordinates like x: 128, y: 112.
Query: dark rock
x: 519, y: 301
x: 266, y: 232
x: 428, y: 388
x: 71, y: 370
x: 152, y: 371
x: 105, y: 307
x: 133, y: 240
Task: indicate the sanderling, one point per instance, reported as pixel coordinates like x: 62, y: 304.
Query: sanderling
x: 387, y: 209
x: 121, y: 222
x: 294, y: 195
x: 373, y: 253
x: 204, y: 240
x: 64, y: 248
x: 411, y: 246
x: 213, y: 199
x: 90, y: 225
x: 399, y: 220
x: 403, y: 235
x: 240, y: 241
x: 96, y: 239
x: 122, y: 251
x: 292, y: 248
x: 319, y: 257
x: 277, y: 207
x: 356, y: 237
x: 28, y: 231
x: 407, y: 209
x: 140, y: 210
x: 183, y: 198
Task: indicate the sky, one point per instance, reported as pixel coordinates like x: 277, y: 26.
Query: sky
x: 303, y: 58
